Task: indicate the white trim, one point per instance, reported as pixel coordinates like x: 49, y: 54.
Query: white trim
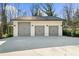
x: 60, y: 30
x: 46, y: 30
x: 32, y: 30
x: 15, y: 28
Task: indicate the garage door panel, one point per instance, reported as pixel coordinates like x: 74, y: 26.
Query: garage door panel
x: 39, y: 30
x: 24, y: 29
x: 53, y: 30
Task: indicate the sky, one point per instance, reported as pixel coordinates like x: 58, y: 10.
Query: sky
x: 57, y: 6
x: 27, y: 6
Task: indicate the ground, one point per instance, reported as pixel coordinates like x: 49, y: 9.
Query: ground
x: 39, y: 46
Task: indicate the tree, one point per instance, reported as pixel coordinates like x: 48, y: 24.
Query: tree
x: 71, y: 18
x: 18, y: 10
x: 74, y: 25
x: 3, y: 18
x: 76, y: 14
x: 75, y: 22
x: 24, y: 13
x: 68, y: 10
x: 35, y: 10
x: 48, y: 9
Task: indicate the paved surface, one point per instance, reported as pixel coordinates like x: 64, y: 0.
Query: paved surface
x: 40, y: 46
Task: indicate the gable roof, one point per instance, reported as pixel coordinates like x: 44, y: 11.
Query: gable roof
x: 38, y: 18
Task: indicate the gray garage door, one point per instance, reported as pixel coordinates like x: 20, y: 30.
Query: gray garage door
x: 39, y: 30
x: 53, y: 30
x: 24, y: 29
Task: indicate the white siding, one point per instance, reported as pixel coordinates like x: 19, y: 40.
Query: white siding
x: 32, y: 30
x: 15, y: 28
x: 60, y: 30
x: 34, y: 23
x: 46, y: 30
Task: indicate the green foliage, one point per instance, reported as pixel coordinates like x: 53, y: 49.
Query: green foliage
x: 10, y: 31
x: 76, y: 34
x: 67, y: 32
x: 0, y: 33
x: 4, y: 35
x: 9, y: 35
x: 3, y: 18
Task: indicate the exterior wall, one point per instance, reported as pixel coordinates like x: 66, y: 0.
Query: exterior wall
x: 46, y: 30
x: 15, y: 28
x: 60, y: 30
x: 32, y: 30
x: 47, y: 24
x: 44, y: 23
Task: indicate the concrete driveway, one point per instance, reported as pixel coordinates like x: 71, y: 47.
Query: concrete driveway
x: 40, y: 46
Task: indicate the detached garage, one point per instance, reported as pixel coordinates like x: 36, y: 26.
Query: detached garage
x: 37, y: 26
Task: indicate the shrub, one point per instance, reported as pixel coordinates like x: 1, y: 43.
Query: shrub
x: 0, y: 35
x: 5, y: 35
x: 9, y: 35
x: 10, y: 31
x: 67, y: 32
x: 76, y: 34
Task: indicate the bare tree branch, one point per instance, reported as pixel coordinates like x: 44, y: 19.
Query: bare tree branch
x: 48, y: 9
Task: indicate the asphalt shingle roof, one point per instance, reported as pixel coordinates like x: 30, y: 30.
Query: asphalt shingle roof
x: 38, y: 18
